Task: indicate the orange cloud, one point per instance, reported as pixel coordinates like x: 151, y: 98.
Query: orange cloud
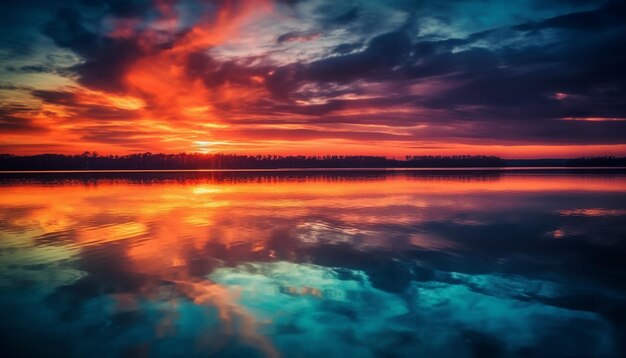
x: 176, y: 88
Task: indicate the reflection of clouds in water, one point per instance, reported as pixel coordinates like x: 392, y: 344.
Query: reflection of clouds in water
x: 392, y: 263
x: 235, y: 319
x: 318, y: 232
x: 304, y: 304
x: 593, y: 212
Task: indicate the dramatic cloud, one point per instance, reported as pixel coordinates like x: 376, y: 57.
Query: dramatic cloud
x: 315, y: 76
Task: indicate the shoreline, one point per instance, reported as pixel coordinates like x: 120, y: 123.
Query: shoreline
x: 320, y: 169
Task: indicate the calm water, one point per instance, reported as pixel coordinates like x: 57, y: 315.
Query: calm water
x: 336, y: 264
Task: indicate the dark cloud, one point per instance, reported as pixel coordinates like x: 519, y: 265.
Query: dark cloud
x: 284, y: 80
x: 346, y: 48
x: 105, y: 58
x: 84, y: 111
x: 67, y: 30
x: 35, y: 69
x: 382, y: 54
x: 312, y: 134
x: 14, y: 119
x: 122, y: 8
x: 512, y: 87
x: 56, y: 97
x: 107, y: 70
x: 610, y: 15
x: 8, y: 86
x: 111, y: 134
x: 11, y: 124
x: 346, y: 17
x: 296, y: 36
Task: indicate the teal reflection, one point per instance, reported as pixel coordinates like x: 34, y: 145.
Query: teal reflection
x: 313, y: 264
x: 301, y: 305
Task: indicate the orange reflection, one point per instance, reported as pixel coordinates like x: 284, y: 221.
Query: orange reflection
x: 593, y: 212
x: 205, y: 292
x: 167, y: 221
x: 177, y: 232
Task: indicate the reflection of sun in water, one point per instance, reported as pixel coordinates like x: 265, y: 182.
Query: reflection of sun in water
x: 199, y: 190
x: 207, y: 242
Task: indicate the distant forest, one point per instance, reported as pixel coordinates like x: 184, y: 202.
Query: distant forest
x: 149, y: 161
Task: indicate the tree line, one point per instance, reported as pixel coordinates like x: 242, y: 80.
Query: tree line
x: 150, y: 161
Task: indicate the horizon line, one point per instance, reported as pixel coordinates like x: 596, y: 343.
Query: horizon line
x: 96, y: 154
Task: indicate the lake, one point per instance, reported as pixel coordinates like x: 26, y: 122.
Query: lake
x: 356, y: 263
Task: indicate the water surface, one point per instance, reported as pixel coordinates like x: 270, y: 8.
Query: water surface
x: 342, y: 264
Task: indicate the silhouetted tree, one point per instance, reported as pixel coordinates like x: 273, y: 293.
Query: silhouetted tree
x: 94, y: 161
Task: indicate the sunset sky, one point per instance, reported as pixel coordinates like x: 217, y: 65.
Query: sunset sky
x: 517, y: 78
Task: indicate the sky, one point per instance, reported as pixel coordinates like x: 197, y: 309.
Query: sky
x: 517, y: 78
